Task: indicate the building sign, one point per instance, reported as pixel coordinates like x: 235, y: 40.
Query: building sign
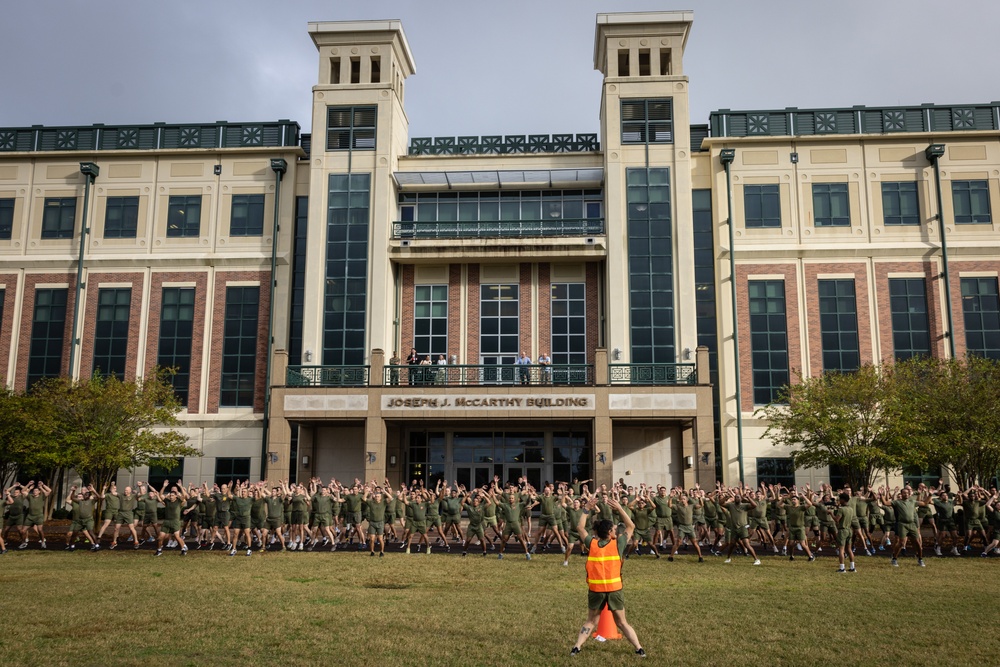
x: 488, y: 402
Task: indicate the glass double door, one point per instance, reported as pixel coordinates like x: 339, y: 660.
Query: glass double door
x: 475, y: 476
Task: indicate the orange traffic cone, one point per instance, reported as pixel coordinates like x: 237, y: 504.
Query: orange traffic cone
x: 606, y: 627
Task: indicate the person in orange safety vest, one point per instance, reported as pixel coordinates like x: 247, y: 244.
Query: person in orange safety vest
x: 604, y: 573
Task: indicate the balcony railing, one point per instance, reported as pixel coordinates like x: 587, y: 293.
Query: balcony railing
x: 653, y: 374
x: 498, y: 229
x: 505, y: 145
x: 479, y: 375
x: 100, y: 137
x: 327, y: 376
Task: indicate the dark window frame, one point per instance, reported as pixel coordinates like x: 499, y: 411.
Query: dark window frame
x: 911, y: 335
x: 430, y: 331
x: 647, y: 121
x: 237, y: 386
x: 111, y: 330
x: 900, y: 204
x: 351, y: 127
x: 59, y: 218
x: 247, y: 215
x: 121, y: 217
x: 981, y: 316
x: 768, y: 339
x: 969, y: 199
x: 7, y: 218
x: 759, y: 201
x: 229, y: 469
x: 177, y: 333
x: 839, y: 323
x: 48, y: 334
x: 179, y: 216
x: 828, y: 199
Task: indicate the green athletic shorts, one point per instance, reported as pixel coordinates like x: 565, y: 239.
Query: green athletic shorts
x: 124, y: 518
x: 376, y: 528
x: 688, y: 530
x: 33, y: 520
x: 844, y: 537
x: 323, y: 521
x: 82, y: 524
x: 614, y: 601
x: 477, y: 531
x: 664, y: 523
x: 241, y: 522
x: 907, y: 529
x: 419, y: 527
x: 272, y: 524
x: 489, y: 520
x: 546, y: 521
x: 511, y: 528
x: 433, y: 521
x: 758, y: 523
x: 15, y: 521
x: 740, y: 532
x: 450, y: 521
x: 170, y: 527
x: 797, y: 533
x: 298, y: 517
x: 222, y: 519
x: 642, y: 535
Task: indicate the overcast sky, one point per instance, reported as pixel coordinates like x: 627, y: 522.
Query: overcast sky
x: 510, y: 67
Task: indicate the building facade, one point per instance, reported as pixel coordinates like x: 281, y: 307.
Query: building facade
x: 601, y: 306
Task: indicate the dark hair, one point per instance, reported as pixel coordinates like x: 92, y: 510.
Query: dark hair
x: 603, y: 528
x: 845, y: 497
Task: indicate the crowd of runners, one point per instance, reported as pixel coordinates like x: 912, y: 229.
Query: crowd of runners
x: 244, y: 517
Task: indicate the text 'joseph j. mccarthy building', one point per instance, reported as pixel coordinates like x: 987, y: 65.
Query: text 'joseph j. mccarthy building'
x: 195, y: 245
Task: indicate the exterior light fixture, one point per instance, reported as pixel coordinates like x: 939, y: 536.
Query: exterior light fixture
x: 934, y: 151
x: 371, y: 457
x: 602, y: 457
x: 794, y: 157
x: 727, y: 155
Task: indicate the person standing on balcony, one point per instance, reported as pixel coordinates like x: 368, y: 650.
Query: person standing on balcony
x: 413, y: 360
x: 393, y: 371
x: 524, y: 372
x: 442, y: 373
x: 545, y: 361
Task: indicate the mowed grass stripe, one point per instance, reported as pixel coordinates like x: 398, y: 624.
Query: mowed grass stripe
x: 349, y: 609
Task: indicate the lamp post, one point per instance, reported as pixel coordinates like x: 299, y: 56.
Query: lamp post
x: 933, y: 153
x: 279, y: 166
x: 90, y: 172
x: 726, y: 157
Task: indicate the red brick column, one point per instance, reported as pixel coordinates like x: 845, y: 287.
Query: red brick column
x: 473, y: 329
x: 200, y: 280
x: 89, y: 329
x: 526, y: 305
x: 28, y: 314
x: 593, y: 313
x: 406, y: 330
x: 860, y: 272
x: 455, y: 343
x: 935, y: 309
x: 544, y: 309
x: 222, y: 280
x: 7, y: 320
x: 744, y: 273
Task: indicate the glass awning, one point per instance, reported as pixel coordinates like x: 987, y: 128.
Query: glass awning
x: 499, y: 180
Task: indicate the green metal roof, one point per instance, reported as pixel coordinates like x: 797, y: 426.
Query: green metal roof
x: 793, y: 121
x: 100, y: 137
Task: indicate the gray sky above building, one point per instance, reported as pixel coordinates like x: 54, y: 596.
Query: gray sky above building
x: 512, y: 67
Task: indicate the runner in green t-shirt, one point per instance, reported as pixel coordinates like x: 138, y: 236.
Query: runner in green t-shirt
x: 795, y: 505
x: 736, y: 506
x: 274, y: 501
x: 475, y: 509
x: 905, y: 506
x: 511, y: 508
x: 944, y: 505
x: 82, y: 518
x: 417, y: 507
x: 378, y: 506
x: 547, y: 517
x: 34, y: 518
x: 844, y: 518
x: 14, y: 505
x: 242, y: 505
x: 173, y: 503
x: 683, y: 509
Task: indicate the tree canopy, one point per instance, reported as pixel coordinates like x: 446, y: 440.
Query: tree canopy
x: 95, y: 426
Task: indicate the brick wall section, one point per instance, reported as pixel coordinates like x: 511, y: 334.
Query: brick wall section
x: 792, y: 324
x: 7, y: 320
x: 472, y: 336
x: 526, y: 305
x: 812, y: 272
x: 958, y: 317
x: 593, y: 313
x: 935, y: 305
x: 89, y: 330
x: 455, y: 343
x: 28, y: 311
x: 544, y: 309
x: 200, y: 280
x: 406, y: 326
x: 222, y: 279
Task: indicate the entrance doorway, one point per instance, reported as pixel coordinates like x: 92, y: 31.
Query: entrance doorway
x: 474, y: 477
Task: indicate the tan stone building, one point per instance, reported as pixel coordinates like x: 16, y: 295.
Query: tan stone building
x: 569, y: 295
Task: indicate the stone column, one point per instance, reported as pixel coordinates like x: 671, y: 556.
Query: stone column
x: 279, y: 438
x: 376, y: 376
x: 601, y: 366
x: 375, y: 434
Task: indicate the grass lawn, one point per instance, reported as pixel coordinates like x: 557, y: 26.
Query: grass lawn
x: 115, y: 608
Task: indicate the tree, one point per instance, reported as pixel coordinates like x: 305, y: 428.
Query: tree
x: 840, y: 419
x: 23, y: 424
x: 104, y: 424
x: 952, y: 417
